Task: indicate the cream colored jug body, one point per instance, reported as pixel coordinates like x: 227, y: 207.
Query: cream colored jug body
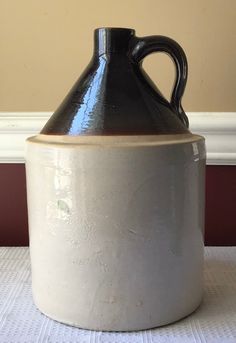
x: 116, y: 228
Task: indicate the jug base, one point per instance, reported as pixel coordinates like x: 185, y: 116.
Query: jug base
x: 120, y: 329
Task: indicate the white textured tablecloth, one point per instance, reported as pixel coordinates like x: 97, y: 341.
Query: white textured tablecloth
x: 214, y: 321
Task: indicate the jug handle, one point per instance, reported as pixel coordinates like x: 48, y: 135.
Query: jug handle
x: 143, y: 46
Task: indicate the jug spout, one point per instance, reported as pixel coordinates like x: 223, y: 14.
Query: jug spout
x: 112, y: 39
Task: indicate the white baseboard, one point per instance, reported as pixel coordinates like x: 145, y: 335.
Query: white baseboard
x: 219, y: 129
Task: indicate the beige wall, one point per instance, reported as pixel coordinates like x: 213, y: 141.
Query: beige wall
x: 45, y: 44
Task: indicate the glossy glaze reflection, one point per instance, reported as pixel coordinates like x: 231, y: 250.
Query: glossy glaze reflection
x: 115, y: 96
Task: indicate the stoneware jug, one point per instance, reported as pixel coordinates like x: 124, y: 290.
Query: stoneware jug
x: 115, y: 186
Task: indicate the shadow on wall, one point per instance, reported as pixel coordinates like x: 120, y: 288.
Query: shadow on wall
x: 220, y: 205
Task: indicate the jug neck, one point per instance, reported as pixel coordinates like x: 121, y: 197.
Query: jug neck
x: 112, y: 40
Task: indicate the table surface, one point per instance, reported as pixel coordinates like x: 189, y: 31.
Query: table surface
x: 214, y: 321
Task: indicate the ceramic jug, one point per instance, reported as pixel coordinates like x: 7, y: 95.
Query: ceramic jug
x: 115, y: 187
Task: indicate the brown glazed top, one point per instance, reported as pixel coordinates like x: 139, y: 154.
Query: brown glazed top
x: 114, y: 95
